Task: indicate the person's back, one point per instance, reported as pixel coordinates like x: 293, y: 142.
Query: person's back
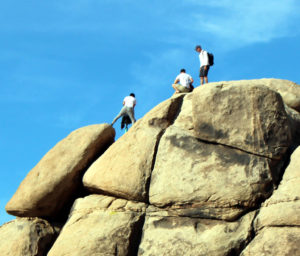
x: 184, y: 79
x: 129, y: 101
x: 183, y: 82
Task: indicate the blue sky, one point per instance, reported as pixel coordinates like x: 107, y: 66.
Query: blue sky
x: 69, y: 63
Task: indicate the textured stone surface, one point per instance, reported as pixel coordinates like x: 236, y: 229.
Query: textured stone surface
x: 275, y: 241
x: 175, y: 236
x: 101, y: 225
x: 278, y: 223
x: 54, y: 180
x: 184, y: 120
x: 207, y: 180
x: 294, y: 118
x: 200, y: 174
x: 283, y: 207
x: 289, y: 91
x: 124, y: 169
x: 26, y: 237
x: 242, y: 115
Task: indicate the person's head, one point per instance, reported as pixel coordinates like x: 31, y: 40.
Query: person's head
x: 198, y: 48
x: 182, y: 70
x: 132, y: 94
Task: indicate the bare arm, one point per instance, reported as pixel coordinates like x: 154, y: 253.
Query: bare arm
x: 176, y: 81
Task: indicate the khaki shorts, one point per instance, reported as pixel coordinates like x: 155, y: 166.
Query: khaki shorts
x: 182, y: 88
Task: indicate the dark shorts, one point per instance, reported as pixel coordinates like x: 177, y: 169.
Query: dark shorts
x: 203, y: 72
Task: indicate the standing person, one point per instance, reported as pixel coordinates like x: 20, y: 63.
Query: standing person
x: 129, y: 103
x: 204, y: 64
x: 183, y: 82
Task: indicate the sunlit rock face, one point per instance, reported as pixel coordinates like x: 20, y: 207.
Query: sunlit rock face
x: 212, y: 172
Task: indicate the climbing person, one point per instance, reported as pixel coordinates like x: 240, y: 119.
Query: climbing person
x: 129, y: 103
x: 204, y: 64
x: 183, y: 82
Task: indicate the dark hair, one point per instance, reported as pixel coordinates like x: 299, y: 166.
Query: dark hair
x: 198, y: 47
x: 132, y: 94
x: 182, y: 70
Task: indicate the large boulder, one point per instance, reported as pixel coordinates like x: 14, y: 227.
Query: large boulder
x: 289, y: 91
x: 125, y: 168
x: 177, y: 236
x: 49, y: 186
x: 206, y: 180
x: 26, y: 237
x: 245, y: 116
x: 101, y: 225
x: 200, y: 174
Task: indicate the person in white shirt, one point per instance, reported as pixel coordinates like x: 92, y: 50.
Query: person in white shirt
x: 183, y: 82
x: 204, y: 64
x: 129, y: 103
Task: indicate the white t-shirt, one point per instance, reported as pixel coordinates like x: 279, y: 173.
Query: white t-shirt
x: 129, y: 101
x: 184, y: 79
x: 203, y: 57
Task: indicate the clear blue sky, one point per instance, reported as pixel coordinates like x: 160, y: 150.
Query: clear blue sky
x: 69, y: 63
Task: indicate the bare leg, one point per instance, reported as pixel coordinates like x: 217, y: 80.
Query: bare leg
x: 201, y: 80
x: 206, y: 79
x: 176, y: 90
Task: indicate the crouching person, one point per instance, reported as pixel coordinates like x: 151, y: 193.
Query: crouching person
x: 183, y: 82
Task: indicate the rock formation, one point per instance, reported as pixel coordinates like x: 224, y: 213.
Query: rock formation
x: 204, y: 173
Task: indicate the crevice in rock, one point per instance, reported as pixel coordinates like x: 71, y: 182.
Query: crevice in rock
x: 280, y: 226
x: 195, y: 213
x: 136, y: 236
x: 285, y: 161
x: 116, y: 194
x: 44, y: 244
x: 63, y: 214
x: 235, y: 148
x: 148, y: 181
x: 252, y: 235
x: 174, y: 110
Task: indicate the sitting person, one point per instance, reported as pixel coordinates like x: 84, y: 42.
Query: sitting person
x: 183, y: 82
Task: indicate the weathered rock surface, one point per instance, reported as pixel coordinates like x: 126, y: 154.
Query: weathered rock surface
x: 245, y: 116
x: 177, y: 236
x: 279, y: 217
x: 26, y: 237
x: 101, y: 225
x: 54, y: 180
x: 221, y: 182
x: 283, y: 207
x: 289, y: 91
x: 124, y: 169
x: 274, y: 241
x: 294, y: 118
x: 202, y: 173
